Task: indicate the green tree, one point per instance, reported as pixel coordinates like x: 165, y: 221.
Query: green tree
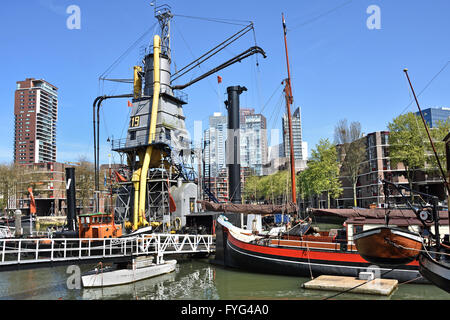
x: 323, y: 171
x: 438, y: 133
x: 8, y: 183
x: 85, y: 182
x: 352, y: 149
x: 272, y: 188
x: 304, y: 185
x: 408, y: 144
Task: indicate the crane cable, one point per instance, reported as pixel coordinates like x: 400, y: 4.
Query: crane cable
x: 212, y: 52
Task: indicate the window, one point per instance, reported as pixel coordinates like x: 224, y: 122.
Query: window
x: 357, y: 229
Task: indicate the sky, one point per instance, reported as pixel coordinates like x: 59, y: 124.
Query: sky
x: 340, y: 68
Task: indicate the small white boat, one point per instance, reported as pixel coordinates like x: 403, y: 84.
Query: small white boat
x: 139, y: 269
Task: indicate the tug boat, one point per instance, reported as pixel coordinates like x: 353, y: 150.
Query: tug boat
x: 388, y: 246
x: 98, y: 225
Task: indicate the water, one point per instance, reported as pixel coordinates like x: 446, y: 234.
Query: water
x: 192, y: 280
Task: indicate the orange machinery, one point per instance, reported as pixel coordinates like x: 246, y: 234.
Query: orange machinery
x: 98, y: 225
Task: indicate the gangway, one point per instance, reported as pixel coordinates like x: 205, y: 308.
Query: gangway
x: 17, y: 254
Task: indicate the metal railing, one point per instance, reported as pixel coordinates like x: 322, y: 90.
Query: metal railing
x: 48, y: 250
x: 6, y: 232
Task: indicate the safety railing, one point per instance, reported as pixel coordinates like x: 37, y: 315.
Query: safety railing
x: 44, y: 250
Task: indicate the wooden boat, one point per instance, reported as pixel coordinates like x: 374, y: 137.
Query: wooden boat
x: 305, y: 256
x: 388, y: 246
x: 436, y: 268
x: 118, y: 275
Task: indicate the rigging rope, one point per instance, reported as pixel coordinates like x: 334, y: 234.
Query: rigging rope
x: 212, y: 52
x: 320, y: 16
x: 121, y: 57
x: 218, y: 20
x: 427, y: 85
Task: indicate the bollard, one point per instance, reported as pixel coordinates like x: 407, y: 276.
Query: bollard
x: 18, y: 223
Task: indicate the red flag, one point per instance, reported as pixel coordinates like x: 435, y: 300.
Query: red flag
x: 32, y: 202
x: 119, y: 177
x: 172, y: 204
x: 219, y: 79
x: 130, y: 104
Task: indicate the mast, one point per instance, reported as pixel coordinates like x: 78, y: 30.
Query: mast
x: 447, y: 187
x: 289, y: 100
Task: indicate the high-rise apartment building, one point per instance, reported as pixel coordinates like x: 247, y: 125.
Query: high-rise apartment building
x: 214, y: 150
x: 254, y: 149
x: 296, y: 135
x: 36, y: 114
x: 243, y: 112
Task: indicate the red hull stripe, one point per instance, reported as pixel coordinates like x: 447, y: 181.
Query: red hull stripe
x: 302, y: 254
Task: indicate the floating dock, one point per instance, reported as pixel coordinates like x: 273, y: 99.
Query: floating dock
x: 353, y: 285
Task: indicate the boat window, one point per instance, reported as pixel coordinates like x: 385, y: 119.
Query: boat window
x: 357, y: 229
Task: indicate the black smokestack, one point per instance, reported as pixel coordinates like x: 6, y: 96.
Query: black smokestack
x: 233, y: 144
x: 71, y: 198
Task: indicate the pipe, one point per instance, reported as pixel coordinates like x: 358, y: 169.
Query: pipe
x: 95, y: 142
x: 71, y: 199
x: 233, y: 143
x: 139, y: 213
x: 137, y: 81
x: 96, y: 123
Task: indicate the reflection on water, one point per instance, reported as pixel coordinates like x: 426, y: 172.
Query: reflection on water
x: 181, y: 284
x: 129, y: 291
x: 192, y: 280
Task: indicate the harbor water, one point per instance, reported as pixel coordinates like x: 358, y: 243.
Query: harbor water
x: 194, y: 279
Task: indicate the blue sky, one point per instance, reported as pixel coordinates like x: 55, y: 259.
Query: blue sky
x: 340, y: 69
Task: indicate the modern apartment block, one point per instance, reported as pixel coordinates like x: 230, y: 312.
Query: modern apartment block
x: 36, y: 114
x: 376, y: 167
x: 48, y: 183
x: 433, y: 115
x: 219, y: 185
x: 254, y: 149
x: 214, y: 148
x: 296, y: 136
x: 243, y: 112
x: 253, y: 142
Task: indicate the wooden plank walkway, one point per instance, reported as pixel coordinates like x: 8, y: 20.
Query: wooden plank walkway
x: 352, y: 285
